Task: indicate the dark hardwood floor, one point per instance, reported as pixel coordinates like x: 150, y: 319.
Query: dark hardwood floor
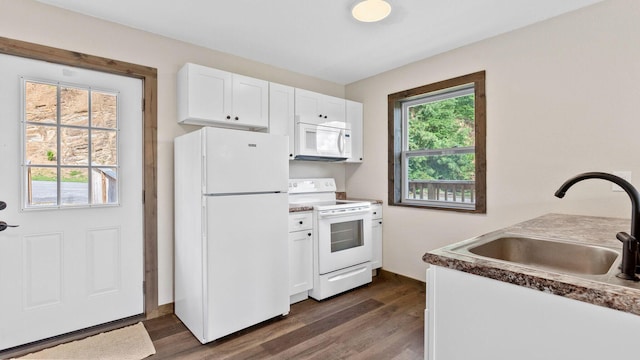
x: 382, y: 320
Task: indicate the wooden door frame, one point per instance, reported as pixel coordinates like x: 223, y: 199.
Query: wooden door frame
x: 149, y: 77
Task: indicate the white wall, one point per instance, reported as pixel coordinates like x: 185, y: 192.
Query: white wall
x: 562, y: 98
x: 30, y: 21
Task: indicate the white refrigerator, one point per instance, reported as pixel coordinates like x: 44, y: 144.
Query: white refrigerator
x: 231, y: 211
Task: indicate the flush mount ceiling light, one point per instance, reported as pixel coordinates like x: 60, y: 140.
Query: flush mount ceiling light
x: 371, y: 10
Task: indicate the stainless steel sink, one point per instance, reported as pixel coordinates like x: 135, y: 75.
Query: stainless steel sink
x: 550, y: 255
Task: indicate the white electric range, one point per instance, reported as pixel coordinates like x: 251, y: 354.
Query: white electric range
x: 342, y: 241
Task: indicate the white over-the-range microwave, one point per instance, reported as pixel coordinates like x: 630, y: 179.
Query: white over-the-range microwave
x: 322, y: 141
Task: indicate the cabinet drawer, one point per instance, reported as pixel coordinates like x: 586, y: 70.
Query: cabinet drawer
x: 300, y: 221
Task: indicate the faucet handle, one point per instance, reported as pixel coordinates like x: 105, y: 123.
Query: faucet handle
x: 629, y: 263
x: 625, y: 238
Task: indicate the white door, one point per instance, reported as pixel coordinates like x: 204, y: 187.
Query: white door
x: 71, y: 146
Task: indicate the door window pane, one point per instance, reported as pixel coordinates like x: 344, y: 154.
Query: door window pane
x: 104, y: 147
x: 74, y: 186
x: 41, y: 144
x: 42, y: 185
x: 74, y: 146
x: 104, y: 110
x: 41, y: 105
x: 104, y: 186
x: 74, y: 106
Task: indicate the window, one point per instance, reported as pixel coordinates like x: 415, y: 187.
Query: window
x: 70, y: 145
x: 437, y: 145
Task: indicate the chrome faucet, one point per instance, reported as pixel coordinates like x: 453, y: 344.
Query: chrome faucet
x: 629, y: 242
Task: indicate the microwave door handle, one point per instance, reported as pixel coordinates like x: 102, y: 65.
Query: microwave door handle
x: 341, y: 142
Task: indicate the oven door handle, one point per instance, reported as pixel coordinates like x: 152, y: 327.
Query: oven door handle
x: 330, y: 214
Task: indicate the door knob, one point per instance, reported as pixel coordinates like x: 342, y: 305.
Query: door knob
x: 4, y: 225
x: 3, y: 205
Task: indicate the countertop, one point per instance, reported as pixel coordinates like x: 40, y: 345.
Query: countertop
x: 300, y: 208
x: 611, y: 292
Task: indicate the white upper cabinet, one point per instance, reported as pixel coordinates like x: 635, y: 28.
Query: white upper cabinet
x: 214, y: 97
x: 355, y: 120
x: 281, y: 113
x: 319, y: 108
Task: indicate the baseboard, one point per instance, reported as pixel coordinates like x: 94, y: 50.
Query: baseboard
x: 161, y: 310
x: 385, y: 274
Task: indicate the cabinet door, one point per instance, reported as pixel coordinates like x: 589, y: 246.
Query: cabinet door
x: 376, y: 237
x: 281, y: 112
x: 333, y: 108
x: 250, y: 101
x: 308, y: 106
x: 354, y: 119
x: 300, y: 261
x: 497, y: 320
x: 204, y: 94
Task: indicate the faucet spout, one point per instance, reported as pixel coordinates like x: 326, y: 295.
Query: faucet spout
x: 630, y: 242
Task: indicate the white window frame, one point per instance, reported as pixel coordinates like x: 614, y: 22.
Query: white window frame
x: 89, y: 167
x: 406, y: 154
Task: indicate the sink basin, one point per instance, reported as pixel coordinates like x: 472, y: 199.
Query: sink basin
x: 548, y: 254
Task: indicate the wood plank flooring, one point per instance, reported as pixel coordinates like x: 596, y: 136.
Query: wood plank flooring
x: 382, y: 320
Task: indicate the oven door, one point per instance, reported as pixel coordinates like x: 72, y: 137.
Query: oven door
x: 344, y: 238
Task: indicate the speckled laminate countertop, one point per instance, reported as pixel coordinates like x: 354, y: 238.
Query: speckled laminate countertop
x: 603, y: 290
x: 300, y: 208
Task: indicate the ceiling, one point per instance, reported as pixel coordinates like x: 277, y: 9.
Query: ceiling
x: 319, y: 37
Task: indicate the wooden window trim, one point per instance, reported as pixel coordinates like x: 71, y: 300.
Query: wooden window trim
x: 149, y: 77
x: 395, y: 132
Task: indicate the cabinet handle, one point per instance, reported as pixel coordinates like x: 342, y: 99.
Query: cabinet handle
x: 374, y: 213
x: 228, y: 117
x: 320, y: 115
x: 237, y: 118
x: 325, y: 116
x: 308, y: 234
x: 301, y: 222
x: 380, y: 222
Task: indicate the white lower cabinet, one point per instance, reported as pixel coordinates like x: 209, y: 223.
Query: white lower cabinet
x: 376, y: 235
x: 473, y: 317
x: 300, y: 256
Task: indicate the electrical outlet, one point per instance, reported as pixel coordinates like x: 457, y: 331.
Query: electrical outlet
x: 622, y: 174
